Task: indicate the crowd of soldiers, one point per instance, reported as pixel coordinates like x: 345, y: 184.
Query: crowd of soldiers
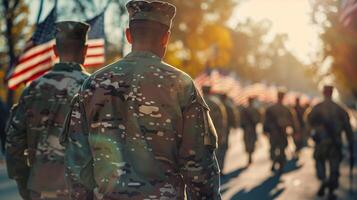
x: 140, y: 129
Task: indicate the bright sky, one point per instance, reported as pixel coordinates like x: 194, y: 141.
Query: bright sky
x: 292, y: 17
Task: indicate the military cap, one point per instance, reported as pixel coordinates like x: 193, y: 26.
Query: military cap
x: 157, y: 11
x: 72, y: 30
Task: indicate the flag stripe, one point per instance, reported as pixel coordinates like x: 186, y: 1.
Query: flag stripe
x: 15, y: 81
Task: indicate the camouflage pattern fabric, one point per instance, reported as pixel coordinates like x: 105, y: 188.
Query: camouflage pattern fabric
x: 139, y: 129
x: 249, y: 117
x: 329, y: 120
x: 36, y: 126
x: 277, y: 118
x: 220, y: 120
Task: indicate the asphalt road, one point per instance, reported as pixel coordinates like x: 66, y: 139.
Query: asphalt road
x: 254, y: 183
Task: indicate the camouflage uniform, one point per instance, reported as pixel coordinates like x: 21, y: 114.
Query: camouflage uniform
x: 300, y: 131
x: 329, y: 120
x: 3, y: 118
x: 139, y: 129
x: 36, y: 126
x: 277, y: 118
x: 219, y: 118
x: 35, y: 158
x: 249, y: 117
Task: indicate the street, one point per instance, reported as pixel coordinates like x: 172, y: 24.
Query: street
x: 256, y: 182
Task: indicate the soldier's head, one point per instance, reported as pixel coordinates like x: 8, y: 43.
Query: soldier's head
x: 149, y: 25
x: 206, y: 89
x: 281, y: 95
x: 251, y: 100
x: 328, y: 91
x: 297, y: 101
x: 71, y: 38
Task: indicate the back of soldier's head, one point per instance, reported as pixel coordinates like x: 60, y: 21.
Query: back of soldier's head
x: 71, y: 38
x: 328, y: 91
x: 149, y: 22
x: 147, y: 32
x: 281, y: 95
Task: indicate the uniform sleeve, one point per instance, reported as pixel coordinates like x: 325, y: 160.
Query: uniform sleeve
x: 197, y: 161
x: 16, y: 141
x: 78, y: 157
x: 348, y: 130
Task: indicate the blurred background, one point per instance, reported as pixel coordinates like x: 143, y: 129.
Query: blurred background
x: 299, y: 44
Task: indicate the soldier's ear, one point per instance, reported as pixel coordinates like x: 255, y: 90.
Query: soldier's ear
x: 129, y: 36
x: 165, y: 39
x: 55, y: 50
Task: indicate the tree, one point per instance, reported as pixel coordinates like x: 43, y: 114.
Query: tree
x: 15, y: 32
x: 339, y: 45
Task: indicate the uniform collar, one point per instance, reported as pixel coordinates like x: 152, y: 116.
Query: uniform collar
x: 68, y: 66
x: 143, y: 54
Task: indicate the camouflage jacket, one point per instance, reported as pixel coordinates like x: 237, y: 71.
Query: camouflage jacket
x: 140, y: 130
x: 36, y: 126
x: 329, y: 119
x: 232, y: 113
x: 249, y: 117
x: 219, y: 117
x: 277, y: 118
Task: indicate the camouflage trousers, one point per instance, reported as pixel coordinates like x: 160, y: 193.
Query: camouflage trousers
x: 278, y: 145
x: 250, y: 138
x: 48, y: 196
x: 328, y: 155
x: 221, y: 154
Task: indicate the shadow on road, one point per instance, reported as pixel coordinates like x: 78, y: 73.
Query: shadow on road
x: 268, y: 189
x: 226, y: 177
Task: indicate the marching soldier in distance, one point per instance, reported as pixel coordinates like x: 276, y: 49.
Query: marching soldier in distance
x: 232, y: 120
x: 220, y: 121
x: 277, y: 119
x: 328, y: 120
x: 250, y: 117
x: 35, y: 158
x: 139, y: 128
x: 299, y: 135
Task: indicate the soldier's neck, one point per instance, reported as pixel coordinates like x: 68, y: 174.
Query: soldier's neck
x: 159, y: 51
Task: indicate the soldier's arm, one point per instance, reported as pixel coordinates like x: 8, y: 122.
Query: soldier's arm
x: 197, y: 161
x: 348, y: 130
x: 16, y: 143
x: 78, y: 157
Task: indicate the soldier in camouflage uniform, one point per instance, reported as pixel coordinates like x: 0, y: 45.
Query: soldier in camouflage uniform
x: 299, y: 135
x: 277, y: 119
x: 3, y: 118
x: 250, y: 117
x: 328, y: 120
x: 35, y: 158
x: 139, y: 128
x: 220, y: 121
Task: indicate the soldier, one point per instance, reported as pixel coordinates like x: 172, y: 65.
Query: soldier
x: 35, y: 158
x: 277, y: 119
x: 250, y: 117
x: 139, y: 128
x: 3, y: 118
x: 328, y: 120
x: 299, y: 136
x: 220, y: 121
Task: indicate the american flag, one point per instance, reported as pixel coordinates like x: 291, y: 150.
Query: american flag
x: 38, y: 56
x: 348, y: 14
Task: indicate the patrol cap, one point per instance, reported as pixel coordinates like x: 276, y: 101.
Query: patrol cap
x: 157, y: 11
x: 72, y: 30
